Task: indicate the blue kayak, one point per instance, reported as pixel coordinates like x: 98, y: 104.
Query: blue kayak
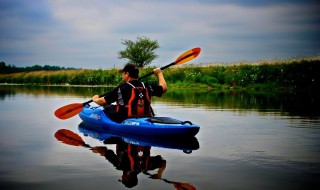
x: 151, y: 126
x: 114, y: 137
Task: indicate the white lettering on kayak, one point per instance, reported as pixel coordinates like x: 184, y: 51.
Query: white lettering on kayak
x: 95, y: 116
x: 131, y: 123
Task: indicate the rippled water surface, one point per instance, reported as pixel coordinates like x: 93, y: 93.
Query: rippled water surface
x: 247, y: 140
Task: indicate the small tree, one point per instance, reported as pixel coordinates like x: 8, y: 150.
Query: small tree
x: 139, y: 52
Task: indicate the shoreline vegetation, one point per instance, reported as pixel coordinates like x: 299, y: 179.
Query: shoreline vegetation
x: 288, y: 75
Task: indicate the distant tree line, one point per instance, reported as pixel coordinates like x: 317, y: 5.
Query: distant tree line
x: 302, y: 75
x: 7, y: 69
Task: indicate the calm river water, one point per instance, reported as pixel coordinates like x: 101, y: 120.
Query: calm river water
x: 248, y: 140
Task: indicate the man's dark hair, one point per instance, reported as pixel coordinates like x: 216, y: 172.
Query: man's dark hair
x: 132, y: 69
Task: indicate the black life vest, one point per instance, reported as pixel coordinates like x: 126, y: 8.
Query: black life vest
x: 139, y: 104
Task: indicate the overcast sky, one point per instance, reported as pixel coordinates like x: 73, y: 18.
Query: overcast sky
x: 88, y: 33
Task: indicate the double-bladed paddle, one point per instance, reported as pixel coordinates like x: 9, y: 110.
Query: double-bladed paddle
x: 71, y: 110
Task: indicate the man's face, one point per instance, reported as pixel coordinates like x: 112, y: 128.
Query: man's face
x: 125, y: 76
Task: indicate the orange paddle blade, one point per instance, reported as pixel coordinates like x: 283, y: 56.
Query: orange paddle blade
x: 183, y: 186
x: 68, y: 137
x: 68, y: 111
x: 187, y: 56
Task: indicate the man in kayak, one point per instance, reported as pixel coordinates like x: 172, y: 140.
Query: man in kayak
x: 133, y: 98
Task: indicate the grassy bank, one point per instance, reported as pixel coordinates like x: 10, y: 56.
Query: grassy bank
x: 293, y: 75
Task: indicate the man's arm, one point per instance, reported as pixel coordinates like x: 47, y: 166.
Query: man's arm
x: 100, y: 101
x: 162, y: 81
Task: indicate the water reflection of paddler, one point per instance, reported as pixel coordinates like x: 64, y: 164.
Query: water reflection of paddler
x: 132, y: 160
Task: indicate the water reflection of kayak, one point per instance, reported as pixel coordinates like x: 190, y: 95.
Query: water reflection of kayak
x: 112, y: 137
x: 151, y: 126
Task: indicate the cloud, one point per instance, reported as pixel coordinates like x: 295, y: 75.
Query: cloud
x: 78, y: 33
